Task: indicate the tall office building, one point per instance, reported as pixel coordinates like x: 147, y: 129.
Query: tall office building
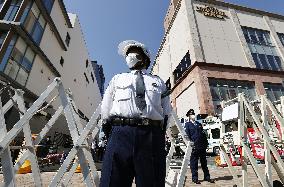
x: 212, y: 50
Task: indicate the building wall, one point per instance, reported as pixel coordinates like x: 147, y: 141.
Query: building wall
x: 51, y: 48
x: 59, y: 20
x: 188, y: 98
x: 178, y: 37
x: 278, y: 25
x: 87, y: 95
x: 164, y: 62
x: 219, y: 39
x: 40, y: 76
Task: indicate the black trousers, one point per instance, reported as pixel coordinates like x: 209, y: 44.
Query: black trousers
x: 197, y: 154
x: 134, y: 152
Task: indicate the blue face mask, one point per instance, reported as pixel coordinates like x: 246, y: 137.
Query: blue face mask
x: 132, y: 60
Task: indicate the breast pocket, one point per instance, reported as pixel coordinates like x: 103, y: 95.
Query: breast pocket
x: 123, y: 93
x: 154, y: 95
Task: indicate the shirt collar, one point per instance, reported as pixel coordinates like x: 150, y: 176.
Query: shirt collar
x: 144, y: 71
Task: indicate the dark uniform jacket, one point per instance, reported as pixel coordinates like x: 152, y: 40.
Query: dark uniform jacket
x: 196, y: 134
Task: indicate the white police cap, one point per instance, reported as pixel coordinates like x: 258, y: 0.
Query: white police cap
x: 125, y: 45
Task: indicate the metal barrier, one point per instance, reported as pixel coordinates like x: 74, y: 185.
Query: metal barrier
x: 79, y: 136
x: 261, y: 126
x: 177, y: 178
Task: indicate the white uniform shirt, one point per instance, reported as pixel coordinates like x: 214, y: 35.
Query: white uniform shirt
x: 119, y: 97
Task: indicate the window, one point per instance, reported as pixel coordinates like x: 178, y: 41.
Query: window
x: 8, y: 53
x: 1, y: 3
x: 20, y: 63
x: 274, y: 91
x: 48, y: 4
x: 13, y: 9
x: 86, y: 78
x: 263, y: 52
x: 182, y: 67
x: 215, y: 133
x: 224, y: 90
x: 67, y: 39
x: 93, y: 78
x: 61, y: 61
x: 35, y: 23
x: 87, y: 63
x: 2, y: 37
x: 281, y: 37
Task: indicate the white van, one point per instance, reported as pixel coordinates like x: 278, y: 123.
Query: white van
x: 213, y: 134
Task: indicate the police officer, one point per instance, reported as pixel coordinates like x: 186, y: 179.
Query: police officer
x: 199, y: 144
x: 135, y: 110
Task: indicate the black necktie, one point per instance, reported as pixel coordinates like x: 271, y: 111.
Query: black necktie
x: 140, y: 91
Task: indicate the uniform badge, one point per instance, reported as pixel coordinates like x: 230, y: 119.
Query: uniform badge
x: 155, y: 85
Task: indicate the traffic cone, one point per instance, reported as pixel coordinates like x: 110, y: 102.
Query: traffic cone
x: 78, y: 169
x: 26, y: 167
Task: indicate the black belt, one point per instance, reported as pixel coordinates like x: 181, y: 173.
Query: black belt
x: 121, y: 121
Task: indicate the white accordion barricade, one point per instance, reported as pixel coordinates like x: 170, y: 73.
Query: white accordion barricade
x: 265, y: 119
x: 177, y: 177
x: 79, y: 154
x: 79, y: 135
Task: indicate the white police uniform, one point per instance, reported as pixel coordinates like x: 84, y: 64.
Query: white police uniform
x: 119, y: 97
x: 135, y: 150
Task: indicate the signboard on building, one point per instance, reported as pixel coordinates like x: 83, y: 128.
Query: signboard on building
x: 211, y: 12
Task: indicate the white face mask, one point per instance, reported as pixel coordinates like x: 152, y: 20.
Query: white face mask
x: 132, y: 60
x: 192, y: 117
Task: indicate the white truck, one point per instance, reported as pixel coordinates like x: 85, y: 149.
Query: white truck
x: 213, y: 134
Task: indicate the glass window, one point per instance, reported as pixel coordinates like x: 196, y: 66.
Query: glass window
x: 215, y: 133
x: 41, y: 21
x: 35, y: 24
x: 48, y: 4
x: 272, y: 62
x: 263, y: 52
x: 30, y: 21
x: 215, y: 94
x: 37, y: 33
x: 252, y: 35
x: 12, y: 69
x: 278, y: 62
x: 261, y: 38
x: 12, y: 10
x: 17, y: 55
x: 255, y: 58
x: 22, y: 77
x: 224, y: 90
x: 30, y: 54
x: 20, y: 63
x: 35, y: 10
x: 281, y: 37
x: 8, y: 53
x: 274, y: 91
x: 184, y: 64
x: 263, y: 61
x: 21, y: 45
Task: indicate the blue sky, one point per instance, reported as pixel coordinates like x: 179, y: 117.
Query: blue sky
x: 107, y: 22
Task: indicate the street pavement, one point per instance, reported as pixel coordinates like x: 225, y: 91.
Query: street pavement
x: 222, y: 177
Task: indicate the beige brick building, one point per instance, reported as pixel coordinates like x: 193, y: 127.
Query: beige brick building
x: 212, y: 50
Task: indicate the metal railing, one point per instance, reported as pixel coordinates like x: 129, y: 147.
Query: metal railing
x: 79, y: 136
x: 262, y: 125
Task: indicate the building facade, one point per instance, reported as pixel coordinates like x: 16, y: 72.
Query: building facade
x: 213, y: 50
x: 41, y: 41
x: 100, y: 77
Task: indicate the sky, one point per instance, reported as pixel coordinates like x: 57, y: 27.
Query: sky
x: 105, y: 23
